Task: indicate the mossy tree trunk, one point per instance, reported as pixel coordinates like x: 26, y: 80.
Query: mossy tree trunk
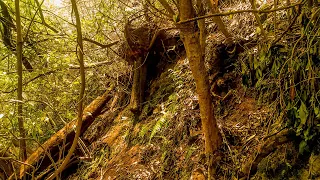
x: 191, y: 40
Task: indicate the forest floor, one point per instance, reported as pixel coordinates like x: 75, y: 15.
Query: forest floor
x: 165, y: 141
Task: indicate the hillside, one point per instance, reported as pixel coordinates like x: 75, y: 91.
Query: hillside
x: 160, y: 89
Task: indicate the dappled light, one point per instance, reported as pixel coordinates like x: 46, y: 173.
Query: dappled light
x: 159, y: 89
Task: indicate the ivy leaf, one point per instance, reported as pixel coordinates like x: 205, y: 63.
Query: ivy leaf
x: 303, y: 113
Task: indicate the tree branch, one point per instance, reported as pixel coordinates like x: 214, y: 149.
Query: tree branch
x: 103, y: 46
x: 91, y: 65
x: 166, y: 5
x: 30, y: 80
x: 239, y: 12
x: 42, y: 17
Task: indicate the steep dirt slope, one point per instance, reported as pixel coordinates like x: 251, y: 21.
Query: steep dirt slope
x: 165, y: 141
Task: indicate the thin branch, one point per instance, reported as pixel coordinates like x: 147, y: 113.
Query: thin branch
x: 32, y: 79
x: 91, y: 65
x: 253, y: 5
x: 289, y: 27
x: 32, y: 20
x: 42, y: 17
x: 153, y: 7
x: 103, y: 46
x: 166, y: 5
x: 81, y: 95
x: 239, y: 12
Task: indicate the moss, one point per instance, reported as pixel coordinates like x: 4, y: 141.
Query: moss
x: 127, y: 113
x: 160, y: 91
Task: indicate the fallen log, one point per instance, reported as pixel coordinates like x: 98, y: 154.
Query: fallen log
x: 6, y: 168
x: 58, y: 145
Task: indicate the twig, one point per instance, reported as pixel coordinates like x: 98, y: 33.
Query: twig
x: 91, y: 65
x: 103, y: 46
x: 238, y: 12
x: 30, y: 80
x: 289, y: 27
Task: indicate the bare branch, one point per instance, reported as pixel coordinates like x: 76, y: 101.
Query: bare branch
x: 103, y: 46
x: 239, y: 12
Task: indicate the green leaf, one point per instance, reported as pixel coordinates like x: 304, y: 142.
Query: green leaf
x: 303, y: 146
x: 258, y: 73
x: 157, y: 127
x: 303, y: 113
x: 316, y: 110
x: 255, y: 63
x: 258, y: 30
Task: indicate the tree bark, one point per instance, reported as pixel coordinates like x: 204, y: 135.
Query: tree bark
x: 256, y: 15
x: 7, y: 24
x: 40, y: 156
x: 214, y: 9
x: 23, y: 146
x: 135, y: 99
x: 202, y: 26
x: 166, y: 5
x: 191, y: 40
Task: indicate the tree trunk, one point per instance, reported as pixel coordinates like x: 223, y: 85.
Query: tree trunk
x: 23, y: 146
x: 202, y: 26
x: 50, y: 150
x: 191, y: 40
x: 214, y: 9
x: 7, y: 24
x: 81, y: 95
x: 135, y: 92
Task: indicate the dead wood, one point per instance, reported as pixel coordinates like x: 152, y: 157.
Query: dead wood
x: 63, y: 138
x: 6, y: 168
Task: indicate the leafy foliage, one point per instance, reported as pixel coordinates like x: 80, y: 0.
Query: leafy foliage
x: 287, y: 73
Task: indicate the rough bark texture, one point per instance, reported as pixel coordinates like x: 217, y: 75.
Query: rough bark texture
x: 139, y: 83
x: 139, y: 43
x: 63, y: 138
x: 143, y: 82
x: 166, y: 5
x: 191, y: 40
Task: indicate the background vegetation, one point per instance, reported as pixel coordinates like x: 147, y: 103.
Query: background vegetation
x: 261, y: 61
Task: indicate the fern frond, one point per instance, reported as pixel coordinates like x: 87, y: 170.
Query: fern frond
x: 157, y: 127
